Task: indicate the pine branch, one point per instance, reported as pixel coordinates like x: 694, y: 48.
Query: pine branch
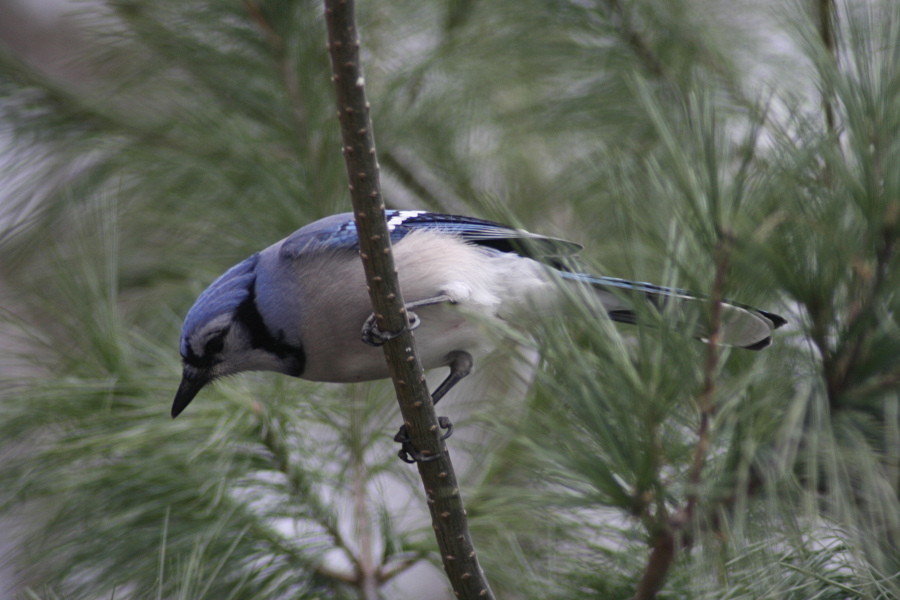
x: 447, y: 511
x: 299, y: 486
x: 827, y: 17
x: 709, y: 378
x: 841, y: 364
x: 400, y: 565
x: 661, y: 558
x: 432, y: 192
x: 286, y: 67
x: 366, y: 567
x: 663, y: 551
x: 638, y: 44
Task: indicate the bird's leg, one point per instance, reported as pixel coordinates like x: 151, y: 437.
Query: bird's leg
x: 460, y: 366
x: 373, y: 336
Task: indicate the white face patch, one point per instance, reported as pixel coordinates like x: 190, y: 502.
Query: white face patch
x: 402, y: 216
x: 198, y: 339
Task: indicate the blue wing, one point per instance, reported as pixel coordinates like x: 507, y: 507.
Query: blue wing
x: 338, y: 232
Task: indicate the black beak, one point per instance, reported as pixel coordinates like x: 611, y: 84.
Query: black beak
x: 191, y: 384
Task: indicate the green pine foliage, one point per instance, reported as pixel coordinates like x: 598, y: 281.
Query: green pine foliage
x: 672, y: 139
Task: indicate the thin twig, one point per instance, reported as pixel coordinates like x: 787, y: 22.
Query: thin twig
x: 636, y: 41
x: 280, y: 460
x: 288, y: 552
x: 827, y: 33
x: 298, y: 486
x: 398, y: 566
x: 665, y: 528
x: 433, y: 193
x: 447, y: 511
x: 287, y: 68
x: 367, y: 570
x: 709, y: 379
x: 839, y: 365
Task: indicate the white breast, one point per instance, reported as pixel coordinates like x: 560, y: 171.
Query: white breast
x: 483, y: 283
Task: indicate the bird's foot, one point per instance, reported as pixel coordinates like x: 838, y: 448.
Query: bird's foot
x: 373, y: 336
x: 408, y: 453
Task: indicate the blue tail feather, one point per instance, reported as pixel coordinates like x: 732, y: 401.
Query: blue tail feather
x: 743, y: 326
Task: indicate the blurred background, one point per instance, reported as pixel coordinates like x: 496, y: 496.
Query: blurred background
x: 741, y: 150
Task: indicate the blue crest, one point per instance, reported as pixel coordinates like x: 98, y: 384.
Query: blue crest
x: 222, y: 297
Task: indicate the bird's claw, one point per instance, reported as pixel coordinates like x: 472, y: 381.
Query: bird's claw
x: 445, y: 423
x: 409, y: 454
x: 373, y: 336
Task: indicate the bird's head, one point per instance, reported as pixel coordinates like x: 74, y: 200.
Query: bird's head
x: 224, y: 334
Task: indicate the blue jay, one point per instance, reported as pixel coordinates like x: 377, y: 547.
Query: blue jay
x: 300, y: 307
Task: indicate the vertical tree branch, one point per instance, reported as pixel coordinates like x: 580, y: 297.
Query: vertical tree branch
x: 636, y: 41
x: 709, y: 378
x: 667, y: 526
x: 447, y: 511
x: 661, y: 558
x: 368, y: 584
x: 827, y: 16
x: 826, y: 11
x: 286, y: 68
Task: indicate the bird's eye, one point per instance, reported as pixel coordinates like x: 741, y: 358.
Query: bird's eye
x: 214, y: 345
